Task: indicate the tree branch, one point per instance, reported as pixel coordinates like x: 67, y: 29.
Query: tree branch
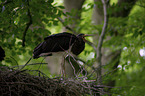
x: 28, y: 65
x: 66, y: 26
x: 101, y: 38
x: 5, y: 2
x: 91, y: 44
x: 27, y: 27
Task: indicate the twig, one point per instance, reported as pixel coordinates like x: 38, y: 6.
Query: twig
x: 28, y: 25
x: 26, y: 63
x: 101, y: 38
x: 41, y: 63
x: 91, y: 44
x: 15, y: 61
x: 66, y: 26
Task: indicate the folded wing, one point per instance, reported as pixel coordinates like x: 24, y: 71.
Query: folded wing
x: 54, y: 43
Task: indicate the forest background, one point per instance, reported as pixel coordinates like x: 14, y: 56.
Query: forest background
x: 25, y: 23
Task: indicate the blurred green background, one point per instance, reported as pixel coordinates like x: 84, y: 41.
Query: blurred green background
x: 14, y: 18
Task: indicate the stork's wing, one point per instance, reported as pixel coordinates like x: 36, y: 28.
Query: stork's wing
x: 38, y: 50
x: 55, y: 43
x: 64, y: 34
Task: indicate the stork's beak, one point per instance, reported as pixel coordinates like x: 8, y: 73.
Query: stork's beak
x: 86, y: 35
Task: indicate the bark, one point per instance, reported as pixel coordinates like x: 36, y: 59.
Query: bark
x: 100, y: 42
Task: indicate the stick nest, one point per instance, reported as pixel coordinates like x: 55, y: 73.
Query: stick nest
x: 16, y: 82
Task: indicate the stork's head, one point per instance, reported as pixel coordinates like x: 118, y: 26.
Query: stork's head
x: 82, y: 36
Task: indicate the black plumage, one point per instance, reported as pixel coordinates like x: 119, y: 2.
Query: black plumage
x: 2, y: 53
x: 60, y: 42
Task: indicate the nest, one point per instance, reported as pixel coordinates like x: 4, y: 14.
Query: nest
x: 16, y: 82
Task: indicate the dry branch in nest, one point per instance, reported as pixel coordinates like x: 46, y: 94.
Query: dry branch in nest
x: 20, y: 83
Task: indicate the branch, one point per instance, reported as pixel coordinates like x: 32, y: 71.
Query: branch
x: 28, y: 65
x: 5, y: 2
x: 27, y: 27
x: 66, y: 26
x: 101, y: 38
x: 91, y: 44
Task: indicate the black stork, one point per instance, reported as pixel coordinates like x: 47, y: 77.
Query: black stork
x: 2, y: 53
x: 60, y: 42
x: 57, y: 47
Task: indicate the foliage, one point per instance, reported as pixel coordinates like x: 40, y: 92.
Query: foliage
x: 132, y: 62
x: 15, y: 18
x: 127, y: 35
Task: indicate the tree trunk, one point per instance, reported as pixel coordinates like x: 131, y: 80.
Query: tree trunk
x: 74, y: 7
